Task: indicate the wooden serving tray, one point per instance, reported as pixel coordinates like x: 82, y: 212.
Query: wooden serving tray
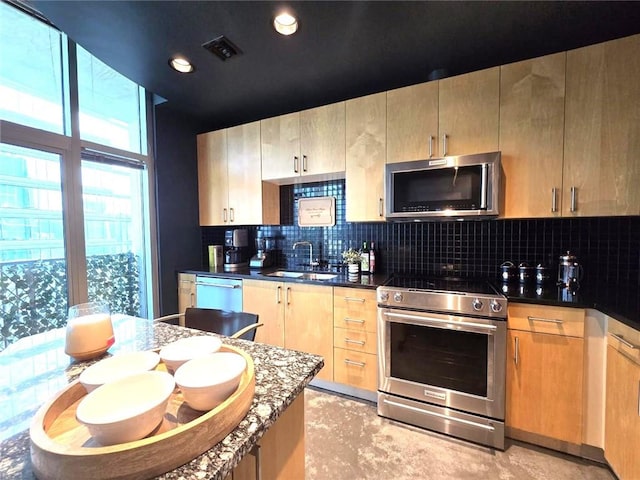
x: 62, y: 448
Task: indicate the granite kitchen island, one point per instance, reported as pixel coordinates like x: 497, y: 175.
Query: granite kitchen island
x: 33, y: 369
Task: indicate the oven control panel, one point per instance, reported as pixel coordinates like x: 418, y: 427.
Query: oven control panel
x: 446, y: 302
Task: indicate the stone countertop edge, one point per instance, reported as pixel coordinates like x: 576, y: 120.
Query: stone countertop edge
x: 601, y: 299
x: 281, y: 375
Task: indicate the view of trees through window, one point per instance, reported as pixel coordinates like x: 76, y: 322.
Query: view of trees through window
x: 39, y: 214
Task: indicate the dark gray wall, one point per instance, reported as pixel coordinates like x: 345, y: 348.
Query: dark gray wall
x: 179, y: 235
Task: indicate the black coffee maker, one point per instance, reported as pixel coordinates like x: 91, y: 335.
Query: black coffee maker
x: 236, y: 253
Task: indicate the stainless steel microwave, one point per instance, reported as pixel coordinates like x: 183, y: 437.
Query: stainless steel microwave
x: 461, y: 186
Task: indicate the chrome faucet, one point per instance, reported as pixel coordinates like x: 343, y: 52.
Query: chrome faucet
x: 311, y: 262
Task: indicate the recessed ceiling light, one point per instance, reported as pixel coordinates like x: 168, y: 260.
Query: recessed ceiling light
x: 182, y: 65
x: 285, y: 23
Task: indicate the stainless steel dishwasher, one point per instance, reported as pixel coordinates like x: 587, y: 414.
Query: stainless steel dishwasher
x: 222, y: 293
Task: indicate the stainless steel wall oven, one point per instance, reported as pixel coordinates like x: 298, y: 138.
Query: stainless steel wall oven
x: 441, y: 348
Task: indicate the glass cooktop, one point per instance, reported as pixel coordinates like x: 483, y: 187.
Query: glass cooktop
x: 442, y: 284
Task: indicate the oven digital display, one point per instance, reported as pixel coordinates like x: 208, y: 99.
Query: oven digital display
x: 443, y: 358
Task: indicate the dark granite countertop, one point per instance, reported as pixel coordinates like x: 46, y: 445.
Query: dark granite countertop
x: 619, y: 302
x: 33, y: 369
x: 341, y: 279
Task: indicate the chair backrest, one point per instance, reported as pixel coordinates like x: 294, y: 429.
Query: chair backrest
x: 223, y: 322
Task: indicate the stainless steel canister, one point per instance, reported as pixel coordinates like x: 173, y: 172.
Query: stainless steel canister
x: 215, y: 257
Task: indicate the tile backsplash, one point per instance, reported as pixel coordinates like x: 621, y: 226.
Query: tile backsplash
x: 607, y: 247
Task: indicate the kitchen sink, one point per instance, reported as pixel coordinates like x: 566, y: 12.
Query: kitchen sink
x: 302, y: 275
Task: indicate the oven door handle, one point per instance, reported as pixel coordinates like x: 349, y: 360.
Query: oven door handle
x: 440, y: 415
x: 440, y: 323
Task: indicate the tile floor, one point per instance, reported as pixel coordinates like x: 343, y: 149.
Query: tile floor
x: 346, y: 439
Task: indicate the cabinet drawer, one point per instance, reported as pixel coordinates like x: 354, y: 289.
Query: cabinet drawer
x: 355, y: 309
x: 546, y: 319
x: 357, y: 340
x: 624, y: 339
x: 356, y: 369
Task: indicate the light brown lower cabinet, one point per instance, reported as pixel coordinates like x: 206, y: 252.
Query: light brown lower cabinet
x: 544, y: 376
x: 355, y: 359
x: 279, y: 454
x: 622, y: 414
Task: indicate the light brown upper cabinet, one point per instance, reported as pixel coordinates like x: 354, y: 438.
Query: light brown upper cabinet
x: 230, y: 189
x: 412, y: 122
x: 309, y: 144
x: 532, y: 96
x: 468, y: 113
x: 602, y: 130
x: 365, y: 160
x: 453, y: 116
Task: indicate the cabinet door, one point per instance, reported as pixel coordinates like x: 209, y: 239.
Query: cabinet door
x: 366, y: 153
x: 322, y: 139
x: 622, y: 415
x: 469, y: 112
x: 267, y: 300
x: 213, y: 190
x: 602, y: 150
x: 544, y: 387
x: 532, y: 134
x: 245, y: 178
x: 309, y: 322
x: 280, y: 143
x: 412, y: 122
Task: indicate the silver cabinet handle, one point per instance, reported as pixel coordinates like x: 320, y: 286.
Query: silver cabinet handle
x: 356, y: 342
x: 304, y: 163
x: 288, y: 292
x: 224, y: 215
x: 547, y: 320
x: 353, y: 299
x: 232, y: 215
x: 352, y: 362
x: 295, y: 164
x: 430, y: 146
x: 381, y: 207
x: 219, y: 285
x: 444, y: 145
x: 353, y: 320
x: 554, y: 200
x: 574, y: 199
x: 516, y: 354
x: 626, y: 343
x: 278, y: 293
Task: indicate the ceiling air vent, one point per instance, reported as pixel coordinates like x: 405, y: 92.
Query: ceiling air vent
x: 222, y: 47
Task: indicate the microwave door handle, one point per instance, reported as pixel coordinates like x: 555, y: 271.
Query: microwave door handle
x: 483, y: 188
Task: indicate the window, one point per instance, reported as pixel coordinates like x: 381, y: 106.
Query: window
x: 114, y: 226
x: 33, y: 270
x: 46, y: 174
x: 31, y: 79
x: 111, y: 106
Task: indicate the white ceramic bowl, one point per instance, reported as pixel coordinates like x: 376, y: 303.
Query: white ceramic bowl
x: 208, y: 381
x: 176, y: 353
x: 116, y: 367
x: 127, y: 409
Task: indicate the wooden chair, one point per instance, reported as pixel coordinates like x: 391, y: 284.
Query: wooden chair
x: 232, y: 324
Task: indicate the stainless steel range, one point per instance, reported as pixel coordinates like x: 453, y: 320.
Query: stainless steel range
x: 441, y: 349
